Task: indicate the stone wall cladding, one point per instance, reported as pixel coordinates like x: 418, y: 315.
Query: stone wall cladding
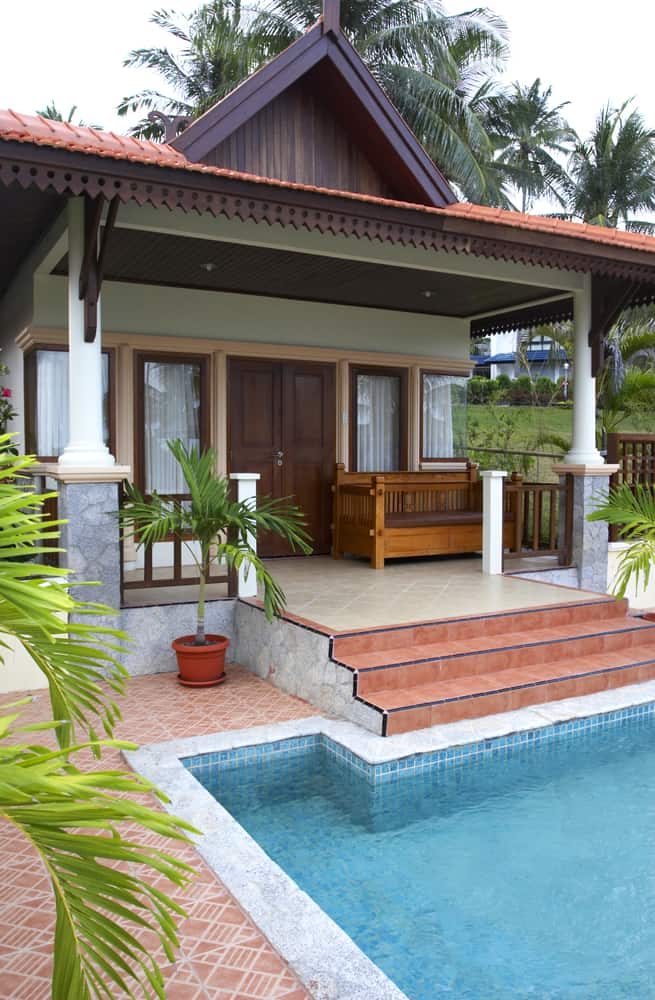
x: 91, y: 539
x: 152, y: 630
x: 590, y: 538
x: 297, y: 660
x: 565, y: 577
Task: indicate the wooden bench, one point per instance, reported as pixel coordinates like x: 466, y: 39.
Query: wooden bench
x: 395, y: 514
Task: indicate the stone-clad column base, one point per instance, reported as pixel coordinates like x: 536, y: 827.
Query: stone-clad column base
x: 88, y: 501
x: 589, y: 542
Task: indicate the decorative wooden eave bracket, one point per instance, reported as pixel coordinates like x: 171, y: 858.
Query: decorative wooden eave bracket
x: 609, y: 297
x: 93, y: 260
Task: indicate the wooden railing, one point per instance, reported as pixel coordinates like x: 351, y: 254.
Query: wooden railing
x: 542, y: 517
x: 635, y: 456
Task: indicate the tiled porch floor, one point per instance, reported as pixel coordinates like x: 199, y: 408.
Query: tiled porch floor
x: 344, y: 594
x: 223, y: 956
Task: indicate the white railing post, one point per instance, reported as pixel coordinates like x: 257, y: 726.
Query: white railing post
x: 492, y: 521
x: 247, y: 493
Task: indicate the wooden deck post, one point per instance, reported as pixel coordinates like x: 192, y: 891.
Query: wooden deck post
x: 492, y: 522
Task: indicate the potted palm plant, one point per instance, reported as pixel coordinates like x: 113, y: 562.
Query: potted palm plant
x: 214, y: 528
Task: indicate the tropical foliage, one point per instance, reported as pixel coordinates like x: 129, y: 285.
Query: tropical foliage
x: 221, y: 527
x: 74, y: 818
x: 632, y: 510
x: 612, y: 173
x: 529, y: 136
x: 212, y: 51
x: 437, y: 68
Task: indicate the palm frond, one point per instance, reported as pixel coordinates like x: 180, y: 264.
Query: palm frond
x: 73, y: 820
x: 79, y: 661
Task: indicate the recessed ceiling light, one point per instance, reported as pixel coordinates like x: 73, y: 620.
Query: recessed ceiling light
x: 209, y: 266
x: 427, y: 293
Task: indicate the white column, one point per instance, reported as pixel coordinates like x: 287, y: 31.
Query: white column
x: 85, y: 448
x: 247, y: 493
x: 492, y: 522
x: 583, y: 448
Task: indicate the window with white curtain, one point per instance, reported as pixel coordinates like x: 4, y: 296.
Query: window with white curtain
x: 48, y: 420
x: 171, y: 410
x: 443, y: 416
x: 378, y: 421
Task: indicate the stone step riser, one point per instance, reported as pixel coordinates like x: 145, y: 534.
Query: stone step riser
x: 407, y: 720
x: 491, y: 661
x: 450, y: 631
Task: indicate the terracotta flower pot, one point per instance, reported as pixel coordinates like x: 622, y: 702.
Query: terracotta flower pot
x: 201, y: 666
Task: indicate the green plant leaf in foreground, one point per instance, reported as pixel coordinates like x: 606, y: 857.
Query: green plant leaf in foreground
x: 632, y: 509
x: 78, y: 659
x: 74, y: 819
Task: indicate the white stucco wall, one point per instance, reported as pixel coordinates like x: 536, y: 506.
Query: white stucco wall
x: 143, y: 309
x: 638, y: 597
x: 18, y: 672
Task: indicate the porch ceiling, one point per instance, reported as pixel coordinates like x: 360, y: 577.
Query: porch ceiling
x: 25, y: 216
x: 163, y: 259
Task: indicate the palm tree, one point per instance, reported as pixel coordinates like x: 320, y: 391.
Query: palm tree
x: 612, y: 173
x: 527, y: 134
x: 73, y: 818
x: 435, y: 67
x: 219, y: 526
x: 217, y: 53
x: 52, y: 112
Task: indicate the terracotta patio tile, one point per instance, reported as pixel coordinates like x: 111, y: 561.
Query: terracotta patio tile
x: 217, y: 939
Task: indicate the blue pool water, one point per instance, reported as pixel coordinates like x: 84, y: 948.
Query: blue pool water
x: 529, y: 873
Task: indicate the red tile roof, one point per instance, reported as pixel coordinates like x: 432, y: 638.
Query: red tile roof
x: 42, y: 131
x: 82, y: 139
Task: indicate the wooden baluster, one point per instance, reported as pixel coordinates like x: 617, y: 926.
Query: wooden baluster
x: 536, y: 519
x: 516, y: 508
x: 377, y: 559
x: 553, y: 518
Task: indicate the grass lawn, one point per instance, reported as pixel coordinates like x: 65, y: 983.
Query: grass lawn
x: 519, y: 429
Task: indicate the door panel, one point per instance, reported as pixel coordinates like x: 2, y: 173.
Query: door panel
x: 282, y: 425
x: 309, y: 444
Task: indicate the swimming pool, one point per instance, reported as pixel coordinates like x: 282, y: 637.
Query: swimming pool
x: 527, y: 871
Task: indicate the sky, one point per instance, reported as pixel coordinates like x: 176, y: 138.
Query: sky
x: 71, y: 51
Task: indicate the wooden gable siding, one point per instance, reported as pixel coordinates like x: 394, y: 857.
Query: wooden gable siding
x: 297, y: 137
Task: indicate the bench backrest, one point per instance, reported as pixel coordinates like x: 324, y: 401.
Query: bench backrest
x: 451, y: 489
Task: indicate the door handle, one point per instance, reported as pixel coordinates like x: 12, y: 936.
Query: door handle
x: 279, y: 455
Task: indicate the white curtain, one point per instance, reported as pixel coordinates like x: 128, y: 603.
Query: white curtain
x: 172, y: 410
x: 437, y: 417
x: 52, y: 402
x: 378, y: 423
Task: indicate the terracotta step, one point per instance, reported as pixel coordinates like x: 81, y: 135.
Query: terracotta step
x: 484, y: 626
x: 448, y: 661
x: 473, y: 696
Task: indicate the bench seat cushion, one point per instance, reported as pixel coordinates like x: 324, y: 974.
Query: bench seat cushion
x: 431, y: 519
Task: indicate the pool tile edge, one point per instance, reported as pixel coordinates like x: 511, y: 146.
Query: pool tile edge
x: 326, y: 960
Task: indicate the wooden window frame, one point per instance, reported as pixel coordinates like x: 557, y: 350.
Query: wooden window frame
x: 166, y: 357
x: 30, y: 394
x: 403, y: 431
x: 422, y: 456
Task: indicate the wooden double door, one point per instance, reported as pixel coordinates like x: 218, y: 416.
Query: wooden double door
x: 282, y: 424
